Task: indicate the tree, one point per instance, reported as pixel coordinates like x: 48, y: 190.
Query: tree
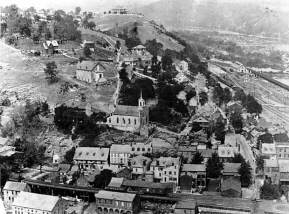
x: 227, y: 95
x: 269, y: 191
x: 91, y: 25
x: 238, y: 158
x: 132, y: 42
x: 68, y: 157
x: 203, y: 97
x: 237, y: 121
x: 154, y: 47
x: 253, y: 106
x: 86, y: 52
x: 260, y: 163
x: 219, y: 130
x: 218, y: 94
x: 240, y: 95
x: 117, y: 45
x: 167, y: 62
x: 265, y: 138
x: 190, y: 95
x: 103, y: 179
x: 77, y: 10
x: 246, y: 175
x: 198, y: 158
x: 214, y: 166
x: 51, y: 72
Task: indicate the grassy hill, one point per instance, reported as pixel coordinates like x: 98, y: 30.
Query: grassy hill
x: 243, y: 17
x: 147, y: 30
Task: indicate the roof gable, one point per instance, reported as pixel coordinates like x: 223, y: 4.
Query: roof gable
x: 91, y: 153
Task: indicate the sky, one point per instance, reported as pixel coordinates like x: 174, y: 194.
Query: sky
x: 68, y: 5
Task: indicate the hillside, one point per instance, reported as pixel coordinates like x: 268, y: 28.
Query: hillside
x: 147, y: 30
x: 242, y: 17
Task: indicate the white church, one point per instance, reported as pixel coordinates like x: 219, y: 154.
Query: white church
x: 130, y: 118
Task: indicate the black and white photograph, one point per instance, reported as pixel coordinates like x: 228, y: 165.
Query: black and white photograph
x: 144, y: 107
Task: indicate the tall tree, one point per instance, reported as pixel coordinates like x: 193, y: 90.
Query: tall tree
x: 214, y: 166
x: 237, y: 121
x: 246, y: 174
x: 219, y: 130
x: 198, y: 158
x: 203, y: 97
x: 86, y: 52
x: 51, y: 72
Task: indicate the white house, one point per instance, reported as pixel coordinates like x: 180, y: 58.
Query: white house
x: 120, y: 154
x: 140, y: 165
x: 28, y: 203
x: 12, y: 189
x: 139, y: 50
x: 130, y: 118
x: 166, y: 169
x: 89, y: 71
x: 91, y: 158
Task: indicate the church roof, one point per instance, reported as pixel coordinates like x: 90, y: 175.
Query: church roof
x: 126, y: 110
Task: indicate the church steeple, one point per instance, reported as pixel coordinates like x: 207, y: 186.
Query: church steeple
x: 141, y: 101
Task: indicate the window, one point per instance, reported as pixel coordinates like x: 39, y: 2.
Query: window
x: 132, y: 149
x: 109, y: 120
x: 175, y: 173
x: 123, y: 120
x: 117, y: 120
x: 138, y: 149
x: 170, y: 172
x: 128, y: 120
x: 143, y: 149
x: 134, y: 121
x: 149, y: 149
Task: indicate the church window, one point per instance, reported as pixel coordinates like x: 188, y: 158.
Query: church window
x: 123, y: 120
x: 128, y: 120
x: 117, y: 120
x: 134, y: 121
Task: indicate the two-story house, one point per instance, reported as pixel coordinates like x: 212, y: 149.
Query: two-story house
x: 120, y: 154
x: 91, y: 158
x: 12, y: 189
x: 196, y: 174
x: 116, y: 202
x: 28, y: 203
x: 282, y: 150
x: 268, y: 150
x: 140, y: 148
x: 226, y: 153
x: 271, y: 170
x: 284, y: 172
x: 166, y: 169
x: 90, y: 71
x: 140, y: 165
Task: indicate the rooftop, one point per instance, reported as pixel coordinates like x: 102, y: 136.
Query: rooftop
x: 140, y: 160
x: 91, y: 153
x: 36, y: 201
x: 227, y: 151
x: 120, y: 148
x: 194, y: 168
x: 115, y: 195
x: 166, y: 161
x: 15, y: 186
x: 116, y: 182
x: 126, y: 110
x: 268, y: 148
x: 231, y: 167
x: 147, y: 184
x: 231, y: 183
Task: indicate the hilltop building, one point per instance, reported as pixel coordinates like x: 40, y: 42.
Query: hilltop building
x: 130, y: 118
x: 12, y: 189
x: 89, y: 71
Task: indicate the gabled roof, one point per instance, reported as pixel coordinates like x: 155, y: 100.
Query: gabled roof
x: 115, y: 195
x: 126, y: 110
x: 194, y: 168
x: 120, y: 148
x: 116, y: 182
x: 91, y: 153
x: 90, y: 66
x: 231, y: 168
x: 268, y: 148
x: 166, y: 161
x: 36, y: 201
x: 15, y: 186
x: 227, y: 151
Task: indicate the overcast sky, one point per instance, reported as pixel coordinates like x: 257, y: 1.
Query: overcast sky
x: 100, y: 5
x: 91, y: 5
